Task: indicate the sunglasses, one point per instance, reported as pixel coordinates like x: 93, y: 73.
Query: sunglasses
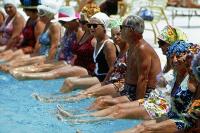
x: 93, y: 25
x: 125, y: 26
x: 83, y: 22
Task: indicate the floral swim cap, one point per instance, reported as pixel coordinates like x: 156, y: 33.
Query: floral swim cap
x: 170, y: 35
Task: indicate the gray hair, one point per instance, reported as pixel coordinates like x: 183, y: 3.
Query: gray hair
x: 136, y: 22
x: 196, y: 66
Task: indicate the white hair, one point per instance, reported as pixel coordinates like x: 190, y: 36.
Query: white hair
x: 136, y: 22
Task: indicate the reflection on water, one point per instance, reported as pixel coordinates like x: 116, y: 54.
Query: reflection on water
x: 20, y: 113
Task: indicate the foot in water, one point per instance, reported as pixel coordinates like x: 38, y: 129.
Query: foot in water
x: 40, y: 98
x: 67, y: 86
x: 62, y: 112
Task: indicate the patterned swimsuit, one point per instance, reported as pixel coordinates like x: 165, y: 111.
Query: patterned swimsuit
x: 65, y: 52
x: 180, y: 102
x: 120, y: 68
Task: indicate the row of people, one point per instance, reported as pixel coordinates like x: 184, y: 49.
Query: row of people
x: 77, y: 39
x: 139, y: 76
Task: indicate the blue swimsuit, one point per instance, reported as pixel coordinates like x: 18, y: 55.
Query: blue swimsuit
x: 45, y: 42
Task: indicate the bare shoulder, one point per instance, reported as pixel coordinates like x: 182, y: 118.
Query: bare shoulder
x: 143, y: 48
x: 19, y: 17
x: 39, y: 25
x: 146, y: 47
x: 109, y: 45
x: 94, y: 42
x: 55, y: 27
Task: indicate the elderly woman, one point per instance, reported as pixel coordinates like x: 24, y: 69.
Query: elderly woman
x: 50, y: 37
x: 83, y: 48
x: 34, y: 27
x: 31, y: 32
x: 105, y: 51
x: 11, y: 35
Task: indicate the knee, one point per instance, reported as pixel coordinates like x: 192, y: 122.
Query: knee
x: 81, y: 71
x: 118, y: 107
x: 119, y: 113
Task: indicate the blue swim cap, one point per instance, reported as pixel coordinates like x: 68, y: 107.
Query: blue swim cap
x: 178, y: 48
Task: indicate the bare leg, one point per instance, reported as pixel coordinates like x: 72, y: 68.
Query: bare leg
x: 74, y: 71
x: 76, y: 82
x: 108, y: 89
x: 131, y: 113
x: 2, y: 54
x: 103, y: 103
x: 65, y: 98
x: 63, y: 113
x: 91, y: 89
x: 121, y: 106
x: 167, y: 126
x: 37, y: 68
x: 12, y: 55
x: 25, y: 61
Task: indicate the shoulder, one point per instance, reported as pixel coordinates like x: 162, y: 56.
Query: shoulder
x: 39, y: 24
x: 93, y: 41
x: 145, y: 48
x: 19, y: 17
x: 54, y: 27
x: 109, y: 44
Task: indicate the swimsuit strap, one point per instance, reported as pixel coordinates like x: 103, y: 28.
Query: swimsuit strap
x: 104, y: 42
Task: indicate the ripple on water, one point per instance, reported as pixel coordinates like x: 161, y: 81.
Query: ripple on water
x: 21, y: 113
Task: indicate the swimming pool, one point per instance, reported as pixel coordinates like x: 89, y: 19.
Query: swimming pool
x: 20, y: 113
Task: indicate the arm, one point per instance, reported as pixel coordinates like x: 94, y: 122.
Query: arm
x: 110, y: 55
x: 18, y: 25
x: 143, y: 66
x: 167, y: 67
x: 39, y: 28
x: 55, y: 38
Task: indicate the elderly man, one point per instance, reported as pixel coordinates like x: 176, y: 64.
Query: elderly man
x: 142, y: 69
x: 143, y: 62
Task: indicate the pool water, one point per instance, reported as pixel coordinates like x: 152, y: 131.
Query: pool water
x: 20, y: 113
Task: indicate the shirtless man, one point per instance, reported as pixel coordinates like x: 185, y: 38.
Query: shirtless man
x: 143, y: 64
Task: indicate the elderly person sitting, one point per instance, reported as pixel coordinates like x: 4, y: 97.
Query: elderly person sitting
x: 11, y: 34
